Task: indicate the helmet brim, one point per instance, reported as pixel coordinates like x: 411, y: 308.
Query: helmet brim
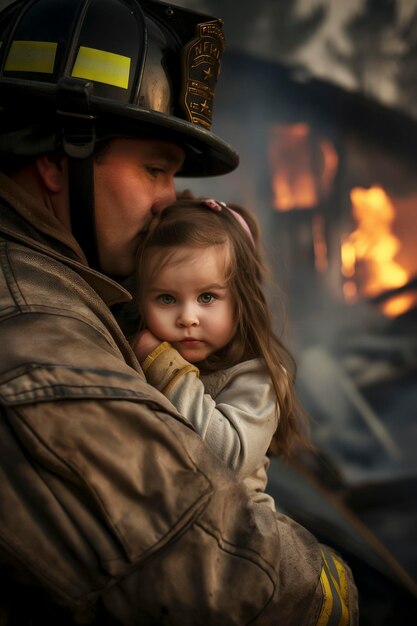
x: 205, y: 153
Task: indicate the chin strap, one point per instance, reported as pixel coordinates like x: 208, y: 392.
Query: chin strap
x: 81, y: 198
x: 79, y: 139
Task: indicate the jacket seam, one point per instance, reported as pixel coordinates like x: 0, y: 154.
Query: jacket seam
x: 240, y: 552
x: 114, y: 394
x: 11, y: 281
x: 77, y: 316
x: 237, y: 552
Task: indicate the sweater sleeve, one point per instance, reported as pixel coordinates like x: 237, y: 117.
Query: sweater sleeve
x: 238, y: 423
x: 164, y: 367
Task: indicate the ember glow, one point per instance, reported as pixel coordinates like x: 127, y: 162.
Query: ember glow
x: 369, y: 253
x: 293, y: 182
x: 302, y: 168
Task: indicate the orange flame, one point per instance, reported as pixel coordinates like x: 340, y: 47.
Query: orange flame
x: 368, y: 253
x: 302, y: 171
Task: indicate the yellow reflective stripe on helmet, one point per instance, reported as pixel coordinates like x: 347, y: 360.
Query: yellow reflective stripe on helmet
x: 334, y: 609
x: 31, y: 56
x: 102, y: 67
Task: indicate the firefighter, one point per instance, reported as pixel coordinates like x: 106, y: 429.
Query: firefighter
x: 113, y: 511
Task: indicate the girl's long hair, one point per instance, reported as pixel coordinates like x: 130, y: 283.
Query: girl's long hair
x: 189, y: 223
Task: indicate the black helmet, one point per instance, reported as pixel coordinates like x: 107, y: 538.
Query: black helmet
x: 74, y: 72
x: 117, y: 67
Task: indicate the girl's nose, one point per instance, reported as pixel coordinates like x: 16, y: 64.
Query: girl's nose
x: 187, y: 318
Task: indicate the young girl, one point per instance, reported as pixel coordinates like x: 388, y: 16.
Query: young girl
x: 208, y: 343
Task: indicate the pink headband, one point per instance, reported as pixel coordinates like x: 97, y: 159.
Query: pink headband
x: 218, y: 206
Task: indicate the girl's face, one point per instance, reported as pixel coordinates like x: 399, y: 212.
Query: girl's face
x: 188, y: 302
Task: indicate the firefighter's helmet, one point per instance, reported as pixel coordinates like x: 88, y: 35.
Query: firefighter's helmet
x: 72, y: 71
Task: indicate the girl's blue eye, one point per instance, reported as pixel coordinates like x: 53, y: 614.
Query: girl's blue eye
x: 206, y: 298
x: 165, y: 298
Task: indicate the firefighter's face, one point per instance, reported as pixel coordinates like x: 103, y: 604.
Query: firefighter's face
x: 133, y: 180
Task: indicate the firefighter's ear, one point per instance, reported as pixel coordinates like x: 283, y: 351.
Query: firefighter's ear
x: 53, y: 171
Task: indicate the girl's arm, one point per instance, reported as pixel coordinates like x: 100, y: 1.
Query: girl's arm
x: 238, y: 423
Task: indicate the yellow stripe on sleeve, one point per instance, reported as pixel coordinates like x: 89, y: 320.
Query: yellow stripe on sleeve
x: 327, y: 604
x: 102, y: 67
x: 31, y: 56
x: 334, y: 609
x: 344, y: 591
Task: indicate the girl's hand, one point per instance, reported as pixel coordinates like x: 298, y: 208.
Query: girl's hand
x: 144, y: 344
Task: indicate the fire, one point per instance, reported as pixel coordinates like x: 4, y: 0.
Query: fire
x: 302, y: 169
x: 293, y: 181
x: 369, y: 252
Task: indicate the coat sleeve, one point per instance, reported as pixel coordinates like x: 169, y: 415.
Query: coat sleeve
x: 237, y: 423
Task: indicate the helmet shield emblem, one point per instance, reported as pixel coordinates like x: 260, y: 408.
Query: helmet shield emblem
x: 201, y: 67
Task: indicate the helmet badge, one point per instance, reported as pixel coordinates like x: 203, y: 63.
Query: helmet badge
x: 201, y: 66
